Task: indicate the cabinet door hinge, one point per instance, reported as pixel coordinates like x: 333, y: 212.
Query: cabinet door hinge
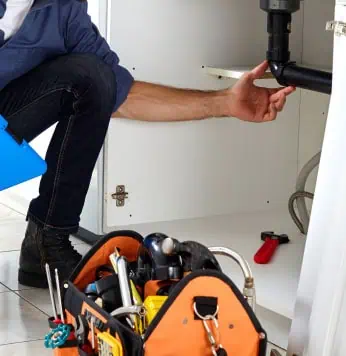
x: 338, y: 27
x: 120, y: 195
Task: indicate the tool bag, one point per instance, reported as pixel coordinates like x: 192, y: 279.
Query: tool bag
x: 179, y: 327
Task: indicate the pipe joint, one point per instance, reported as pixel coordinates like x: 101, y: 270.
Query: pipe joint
x: 290, y: 74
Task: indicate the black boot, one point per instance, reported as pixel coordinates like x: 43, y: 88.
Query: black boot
x: 40, y: 247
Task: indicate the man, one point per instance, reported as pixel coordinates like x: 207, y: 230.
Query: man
x: 55, y: 67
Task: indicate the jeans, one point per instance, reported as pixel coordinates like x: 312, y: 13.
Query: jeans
x: 78, y: 92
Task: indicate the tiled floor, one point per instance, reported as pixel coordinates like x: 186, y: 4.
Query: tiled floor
x: 23, y: 310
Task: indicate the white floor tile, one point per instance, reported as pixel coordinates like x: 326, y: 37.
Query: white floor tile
x: 8, y: 214
x: 12, y: 228
x: 12, y: 234
x: 3, y: 288
x: 40, y: 298
x: 25, y: 349
x: 20, y: 321
x: 9, y: 262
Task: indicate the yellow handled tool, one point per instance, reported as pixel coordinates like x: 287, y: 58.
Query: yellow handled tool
x: 152, y: 305
x: 108, y: 345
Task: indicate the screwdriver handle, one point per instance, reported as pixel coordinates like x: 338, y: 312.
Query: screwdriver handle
x: 266, y: 252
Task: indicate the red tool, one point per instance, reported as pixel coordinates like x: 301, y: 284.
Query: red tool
x: 271, y: 243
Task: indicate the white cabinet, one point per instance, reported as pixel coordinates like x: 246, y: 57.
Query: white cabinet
x: 221, y: 182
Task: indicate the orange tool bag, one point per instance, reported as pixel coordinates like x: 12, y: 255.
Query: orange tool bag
x: 204, y: 313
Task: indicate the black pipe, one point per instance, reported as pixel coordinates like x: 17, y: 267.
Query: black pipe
x: 289, y: 74
x: 287, y: 6
x: 279, y: 29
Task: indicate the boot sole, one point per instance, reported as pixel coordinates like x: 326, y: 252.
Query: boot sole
x: 34, y: 280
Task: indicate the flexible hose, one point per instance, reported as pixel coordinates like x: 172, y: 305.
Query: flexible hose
x: 300, y: 187
x: 296, y: 196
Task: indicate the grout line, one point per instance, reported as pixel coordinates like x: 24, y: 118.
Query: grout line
x: 20, y: 290
x: 29, y: 302
x: 21, y: 342
x: 10, y: 208
x: 16, y: 291
x: 4, y: 251
x: 7, y: 289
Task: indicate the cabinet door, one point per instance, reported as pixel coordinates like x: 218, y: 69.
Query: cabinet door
x: 318, y: 325
x: 196, y: 169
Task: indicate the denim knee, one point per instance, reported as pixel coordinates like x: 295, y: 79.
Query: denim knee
x: 91, y: 80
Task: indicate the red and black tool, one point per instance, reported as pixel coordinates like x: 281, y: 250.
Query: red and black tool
x: 271, y: 243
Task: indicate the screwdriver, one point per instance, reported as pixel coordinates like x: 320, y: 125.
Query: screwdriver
x: 51, y: 292
x: 57, y: 282
x: 67, y: 333
x: 52, y: 298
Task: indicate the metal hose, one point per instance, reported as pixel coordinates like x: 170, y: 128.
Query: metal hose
x: 249, y: 290
x: 296, y: 196
x: 303, y: 220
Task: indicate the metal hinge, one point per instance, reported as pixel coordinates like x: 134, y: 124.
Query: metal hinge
x: 338, y: 27
x: 120, y: 195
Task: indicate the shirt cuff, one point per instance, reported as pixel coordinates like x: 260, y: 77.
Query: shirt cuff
x: 124, y: 83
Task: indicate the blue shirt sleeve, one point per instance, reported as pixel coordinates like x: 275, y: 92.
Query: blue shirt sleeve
x: 82, y: 36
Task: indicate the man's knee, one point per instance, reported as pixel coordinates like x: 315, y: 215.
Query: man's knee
x: 91, y: 78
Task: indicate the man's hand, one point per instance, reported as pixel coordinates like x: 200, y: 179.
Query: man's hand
x: 245, y: 101
x: 256, y: 104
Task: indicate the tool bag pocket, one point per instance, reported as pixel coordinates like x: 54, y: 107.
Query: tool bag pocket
x: 178, y: 327
x: 76, y: 302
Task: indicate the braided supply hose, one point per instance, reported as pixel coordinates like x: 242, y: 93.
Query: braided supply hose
x: 302, y: 219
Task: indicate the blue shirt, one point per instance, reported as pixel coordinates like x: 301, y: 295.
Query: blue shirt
x: 53, y: 28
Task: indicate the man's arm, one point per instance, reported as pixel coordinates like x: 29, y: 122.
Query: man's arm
x: 150, y: 102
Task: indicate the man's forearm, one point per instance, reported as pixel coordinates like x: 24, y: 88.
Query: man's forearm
x: 151, y: 102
